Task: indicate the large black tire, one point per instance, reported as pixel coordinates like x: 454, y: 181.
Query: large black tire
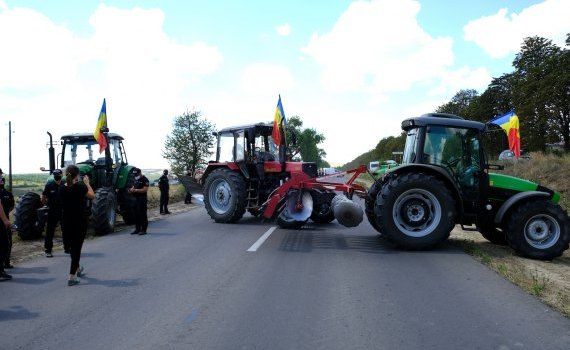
x: 415, y: 211
x: 491, y: 233
x: 26, y: 217
x: 127, y: 207
x: 370, y: 203
x: 322, y: 209
x: 530, y: 221
x: 225, y: 195
x: 104, y: 211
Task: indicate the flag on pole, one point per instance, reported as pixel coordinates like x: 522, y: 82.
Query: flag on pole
x: 279, y: 123
x: 101, y: 124
x: 510, y: 124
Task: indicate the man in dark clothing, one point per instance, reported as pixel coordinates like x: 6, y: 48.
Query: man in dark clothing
x: 51, y: 197
x: 7, y: 200
x: 139, y: 191
x: 164, y: 187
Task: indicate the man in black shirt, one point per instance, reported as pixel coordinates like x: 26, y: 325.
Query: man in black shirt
x: 164, y: 187
x: 7, y: 200
x: 51, y: 197
x: 139, y: 190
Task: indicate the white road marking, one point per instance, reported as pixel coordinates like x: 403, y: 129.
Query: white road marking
x: 261, y: 239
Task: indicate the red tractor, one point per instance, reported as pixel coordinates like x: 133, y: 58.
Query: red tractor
x: 251, y: 174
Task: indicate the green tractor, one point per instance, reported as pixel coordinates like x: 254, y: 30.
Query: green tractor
x: 109, y: 175
x: 445, y: 180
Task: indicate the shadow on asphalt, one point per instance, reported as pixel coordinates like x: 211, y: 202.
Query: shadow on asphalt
x: 92, y: 255
x: 110, y: 283
x: 304, y: 241
x: 23, y: 270
x: 33, y: 281
x: 17, y: 313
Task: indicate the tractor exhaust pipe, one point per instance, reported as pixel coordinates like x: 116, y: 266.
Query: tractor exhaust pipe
x: 347, y: 212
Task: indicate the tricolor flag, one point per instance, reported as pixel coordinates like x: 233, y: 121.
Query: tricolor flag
x: 101, y: 125
x: 510, y: 123
x: 279, y: 123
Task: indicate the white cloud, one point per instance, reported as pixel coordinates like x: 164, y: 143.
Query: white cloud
x: 462, y: 78
x: 284, y: 29
x: 379, y: 47
x: 52, y: 79
x: 502, y: 33
x: 266, y: 78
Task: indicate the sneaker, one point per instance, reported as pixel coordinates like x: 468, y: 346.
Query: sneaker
x: 80, y: 271
x: 4, y: 276
x: 135, y: 232
x: 167, y: 213
x: 142, y: 233
x: 49, y: 255
x: 73, y: 282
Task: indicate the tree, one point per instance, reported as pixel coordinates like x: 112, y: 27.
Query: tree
x: 190, y: 142
x: 459, y: 104
x: 303, y: 143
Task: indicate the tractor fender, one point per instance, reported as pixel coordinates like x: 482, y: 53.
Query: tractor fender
x: 517, y: 198
x: 434, y: 170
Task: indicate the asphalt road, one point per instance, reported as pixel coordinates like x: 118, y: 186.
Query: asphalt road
x: 192, y: 284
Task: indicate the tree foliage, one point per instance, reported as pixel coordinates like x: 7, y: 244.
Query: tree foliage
x: 303, y: 143
x: 189, y: 145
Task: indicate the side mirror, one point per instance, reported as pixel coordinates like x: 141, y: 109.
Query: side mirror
x: 43, y: 169
x: 495, y: 167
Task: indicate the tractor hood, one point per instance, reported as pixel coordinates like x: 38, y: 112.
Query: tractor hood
x: 516, y: 184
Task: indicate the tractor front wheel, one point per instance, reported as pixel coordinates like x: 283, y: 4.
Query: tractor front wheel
x: 26, y: 217
x: 104, y: 211
x: 415, y: 211
x: 370, y: 203
x: 538, y: 229
x: 225, y: 195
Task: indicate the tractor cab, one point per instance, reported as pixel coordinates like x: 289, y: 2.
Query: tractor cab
x: 82, y: 150
x: 248, y: 143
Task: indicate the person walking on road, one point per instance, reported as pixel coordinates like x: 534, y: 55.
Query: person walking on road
x: 164, y: 187
x: 51, y: 197
x: 7, y: 200
x: 4, y: 243
x: 74, y: 195
x: 139, y: 191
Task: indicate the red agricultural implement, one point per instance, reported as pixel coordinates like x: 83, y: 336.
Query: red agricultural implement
x: 251, y: 174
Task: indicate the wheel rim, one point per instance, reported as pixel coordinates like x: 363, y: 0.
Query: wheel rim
x: 220, y: 195
x: 542, y: 231
x: 416, y: 213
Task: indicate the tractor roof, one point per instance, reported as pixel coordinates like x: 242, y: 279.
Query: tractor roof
x: 442, y: 119
x: 264, y: 128
x: 89, y: 136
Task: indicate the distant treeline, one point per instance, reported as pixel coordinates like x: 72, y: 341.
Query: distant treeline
x: 538, y: 90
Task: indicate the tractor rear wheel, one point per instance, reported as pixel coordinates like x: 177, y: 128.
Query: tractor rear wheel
x: 370, y: 202
x: 104, y: 211
x: 225, y: 195
x: 538, y: 229
x: 26, y: 216
x: 415, y: 211
x: 491, y: 233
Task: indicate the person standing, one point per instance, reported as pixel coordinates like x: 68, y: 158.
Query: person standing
x: 164, y: 187
x: 7, y: 200
x: 4, y: 243
x: 74, y: 195
x: 139, y: 191
x: 51, y: 197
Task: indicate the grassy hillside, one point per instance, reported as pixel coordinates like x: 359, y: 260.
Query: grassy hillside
x: 549, y: 170
x: 382, y: 151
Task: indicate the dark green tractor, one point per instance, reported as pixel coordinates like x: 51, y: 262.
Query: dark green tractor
x: 109, y: 175
x: 445, y: 180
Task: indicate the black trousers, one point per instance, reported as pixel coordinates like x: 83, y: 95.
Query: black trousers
x: 75, y: 233
x: 4, y: 245
x: 6, y: 260
x: 164, y: 201
x: 188, y: 198
x: 54, y: 218
x: 141, y: 219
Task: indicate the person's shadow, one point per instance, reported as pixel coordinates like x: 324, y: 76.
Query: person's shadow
x: 110, y: 283
x: 17, y: 313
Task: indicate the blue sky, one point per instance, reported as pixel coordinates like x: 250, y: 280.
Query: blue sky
x: 352, y: 69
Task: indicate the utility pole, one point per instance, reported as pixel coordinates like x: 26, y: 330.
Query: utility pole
x: 10, y: 155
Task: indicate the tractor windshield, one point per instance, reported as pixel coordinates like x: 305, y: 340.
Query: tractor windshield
x: 87, y: 151
x: 409, y: 155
